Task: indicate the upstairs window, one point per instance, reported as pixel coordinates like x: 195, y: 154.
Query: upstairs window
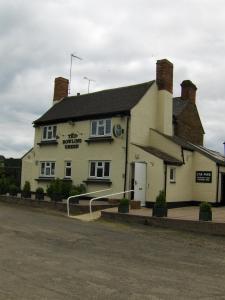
x: 101, y: 127
x: 47, y: 169
x: 49, y: 133
x: 99, y: 169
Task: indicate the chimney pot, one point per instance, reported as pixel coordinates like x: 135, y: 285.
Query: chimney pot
x: 164, y: 75
x: 61, y: 88
x: 188, y: 91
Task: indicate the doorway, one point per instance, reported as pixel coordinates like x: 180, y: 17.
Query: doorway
x: 222, y: 199
x: 138, y: 181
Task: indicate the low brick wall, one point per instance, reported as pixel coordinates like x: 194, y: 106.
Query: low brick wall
x: 51, y: 205
x: 177, y: 224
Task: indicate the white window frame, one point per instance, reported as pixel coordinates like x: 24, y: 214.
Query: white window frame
x: 68, y: 167
x: 173, y: 177
x: 99, y: 125
x: 99, y: 167
x: 47, y: 165
x: 50, y: 130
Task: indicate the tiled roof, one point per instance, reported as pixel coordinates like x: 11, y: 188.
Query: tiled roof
x: 160, y: 154
x: 106, y: 102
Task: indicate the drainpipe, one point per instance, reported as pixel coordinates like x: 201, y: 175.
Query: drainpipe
x: 126, y: 155
x: 217, y: 187
x: 165, y: 179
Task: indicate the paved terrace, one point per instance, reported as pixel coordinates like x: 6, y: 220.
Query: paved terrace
x: 183, y: 213
x: 185, y: 218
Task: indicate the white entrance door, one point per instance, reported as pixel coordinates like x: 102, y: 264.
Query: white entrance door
x: 140, y: 182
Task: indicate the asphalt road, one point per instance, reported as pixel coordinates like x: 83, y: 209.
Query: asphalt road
x: 45, y: 256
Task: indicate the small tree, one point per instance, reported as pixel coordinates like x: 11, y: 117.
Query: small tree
x: 13, y: 190
x: 54, y: 190
x: 4, y: 185
x: 160, y: 207
x: 124, y: 206
x: 39, y: 193
x: 205, y: 211
x: 26, y: 193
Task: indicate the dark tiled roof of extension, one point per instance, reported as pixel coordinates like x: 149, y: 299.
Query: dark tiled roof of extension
x: 178, y: 105
x: 106, y: 102
x: 177, y: 140
x: 211, y: 154
x: 160, y: 154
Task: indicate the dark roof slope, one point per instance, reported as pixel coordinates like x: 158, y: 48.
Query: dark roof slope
x: 106, y: 102
x: 160, y: 154
x: 211, y: 154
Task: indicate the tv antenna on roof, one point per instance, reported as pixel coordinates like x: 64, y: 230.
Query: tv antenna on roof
x: 89, y: 80
x: 71, y: 63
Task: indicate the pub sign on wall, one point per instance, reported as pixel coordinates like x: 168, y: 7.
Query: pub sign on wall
x: 203, y: 176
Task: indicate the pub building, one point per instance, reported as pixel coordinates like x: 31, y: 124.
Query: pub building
x: 135, y: 137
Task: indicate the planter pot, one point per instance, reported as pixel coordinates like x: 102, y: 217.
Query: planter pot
x: 57, y: 197
x: 205, y: 216
x: 123, y: 209
x: 39, y: 196
x: 134, y: 204
x: 26, y: 195
x: 13, y: 194
x: 159, y: 211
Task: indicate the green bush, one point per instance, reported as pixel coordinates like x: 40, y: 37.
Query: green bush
x: 54, y: 190
x: 161, y: 199
x: 59, y: 189
x: 66, y: 187
x: 4, y: 185
x: 205, y: 212
x: 13, y: 190
x: 160, y: 206
x: 124, y: 202
x: 205, y: 207
x: 26, y: 193
x: 39, y: 193
x: 77, y: 190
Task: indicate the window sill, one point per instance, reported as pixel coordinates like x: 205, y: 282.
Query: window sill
x: 98, y: 181
x: 99, y: 139
x: 45, y: 178
x: 67, y: 179
x: 51, y: 178
x: 44, y: 143
x: 173, y: 182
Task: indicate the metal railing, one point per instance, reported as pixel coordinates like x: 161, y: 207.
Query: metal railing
x: 109, y: 195
x: 80, y: 195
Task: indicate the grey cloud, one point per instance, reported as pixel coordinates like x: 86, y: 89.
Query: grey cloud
x: 119, y: 42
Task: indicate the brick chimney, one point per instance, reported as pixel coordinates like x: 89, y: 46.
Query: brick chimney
x: 164, y: 75
x: 188, y: 91
x: 60, y: 89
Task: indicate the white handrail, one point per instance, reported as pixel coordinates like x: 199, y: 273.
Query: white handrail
x: 96, y: 198
x: 76, y: 196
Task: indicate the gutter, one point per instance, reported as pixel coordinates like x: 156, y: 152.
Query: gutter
x: 165, y: 179
x: 126, y: 155
x: 217, y: 185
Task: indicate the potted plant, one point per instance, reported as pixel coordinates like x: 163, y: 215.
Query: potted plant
x: 39, y: 193
x: 205, y: 212
x: 13, y: 190
x: 26, y: 193
x: 123, y: 206
x: 160, y: 206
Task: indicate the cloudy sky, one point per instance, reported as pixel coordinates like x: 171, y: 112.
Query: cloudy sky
x: 119, y: 42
